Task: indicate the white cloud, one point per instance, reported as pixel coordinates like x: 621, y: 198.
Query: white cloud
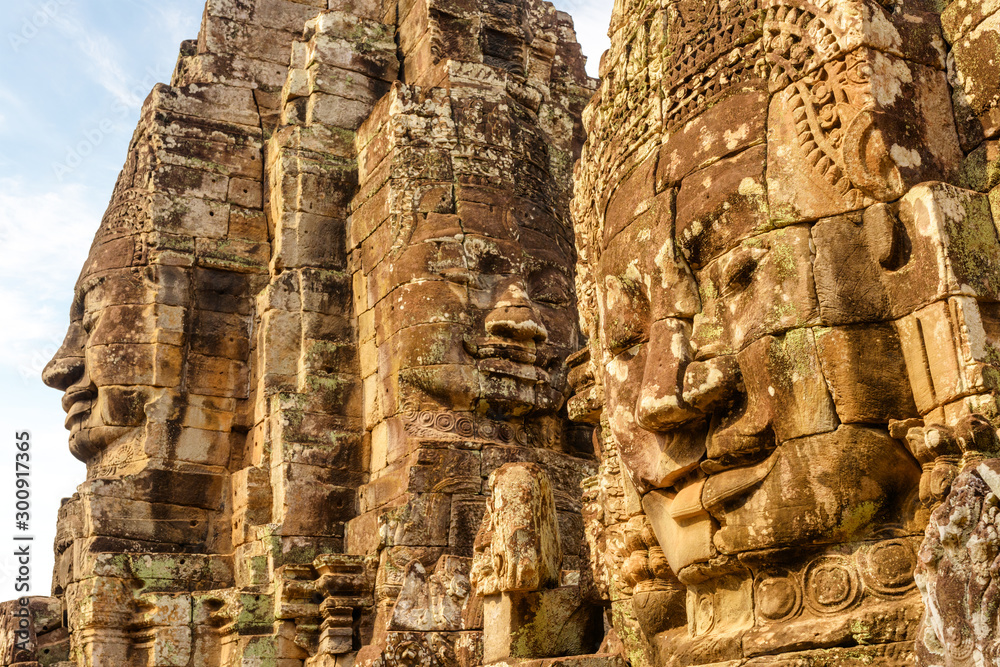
x: 45, y: 234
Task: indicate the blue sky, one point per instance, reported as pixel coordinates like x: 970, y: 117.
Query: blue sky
x: 73, y: 75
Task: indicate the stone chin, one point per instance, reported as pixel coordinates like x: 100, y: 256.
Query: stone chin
x: 516, y: 389
x: 90, y: 441
x: 90, y: 434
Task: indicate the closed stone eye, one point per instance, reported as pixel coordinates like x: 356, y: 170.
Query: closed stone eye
x: 739, y: 274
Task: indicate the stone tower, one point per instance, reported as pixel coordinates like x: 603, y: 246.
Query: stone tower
x: 332, y: 293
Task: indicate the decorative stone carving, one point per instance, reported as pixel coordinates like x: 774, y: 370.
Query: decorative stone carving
x: 529, y: 610
x: 518, y: 544
x: 783, y: 368
x: 441, y: 601
x: 956, y: 572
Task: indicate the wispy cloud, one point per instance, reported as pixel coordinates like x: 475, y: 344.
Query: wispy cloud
x: 103, y: 55
x: 174, y: 21
x: 10, y: 102
x: 65, y: 80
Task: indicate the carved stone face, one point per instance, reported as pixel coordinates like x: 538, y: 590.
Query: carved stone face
x: 156, y: 357
x: 718, y: 375
x: 745, y: 273
x: 639, y: 292
x: 109, y: 365
x: 480, y: 311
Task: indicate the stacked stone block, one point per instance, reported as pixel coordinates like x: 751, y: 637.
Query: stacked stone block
x: 306, y: 451
x: 224, y: 469
x: 440, y: 178
x: 189, y: 206
x: 327, y: 330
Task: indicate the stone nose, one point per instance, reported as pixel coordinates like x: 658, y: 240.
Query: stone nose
x: 661, y: 405
x: 67, y: 365
x: 514, y: 317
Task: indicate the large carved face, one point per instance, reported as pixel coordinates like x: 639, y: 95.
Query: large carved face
x: 747, y: 277
x: 726, y: 385
x: 155, y: 358
x: 108, y: 365
x: 480, y: 309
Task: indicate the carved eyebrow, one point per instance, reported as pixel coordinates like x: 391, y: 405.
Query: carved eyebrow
x: 555, y: 256
x: 87, y: 284
x: 83, y: 289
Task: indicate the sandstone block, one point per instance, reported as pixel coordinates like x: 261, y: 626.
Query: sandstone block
x: 972, y: 79
x: 437, y: 601
x: 723, y: 204
x: 759, y: 509
x: 808, y: 178
x: 728, y: 128
x: 946, y: 346
x: 682, y: 525
x: 840, y: 242
x: 865, y: 369
x: 735, y: 289
x: 216, y: 102
x: 539, y: 624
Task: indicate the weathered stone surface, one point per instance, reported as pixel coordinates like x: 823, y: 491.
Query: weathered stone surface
x: 865, y: 370
x: 951, y: 246
x: 760, y: 510
x: 517, y: 548
x: 737, y: 290
x: 441, y: 601
x: 682, y: 526
x: 844, y: 240
x: 955, y: 574
x: 335, y: 275
x: 722, y: 204
x: 802, y: 288
x: 842, y: 141
x: 539, y: 624
x: 974, y: 83
x: 329, y: 326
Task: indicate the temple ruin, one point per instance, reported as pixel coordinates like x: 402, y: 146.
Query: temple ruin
x: 404, y: 342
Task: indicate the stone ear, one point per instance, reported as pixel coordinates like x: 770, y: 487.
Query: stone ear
x: 867, y: 160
